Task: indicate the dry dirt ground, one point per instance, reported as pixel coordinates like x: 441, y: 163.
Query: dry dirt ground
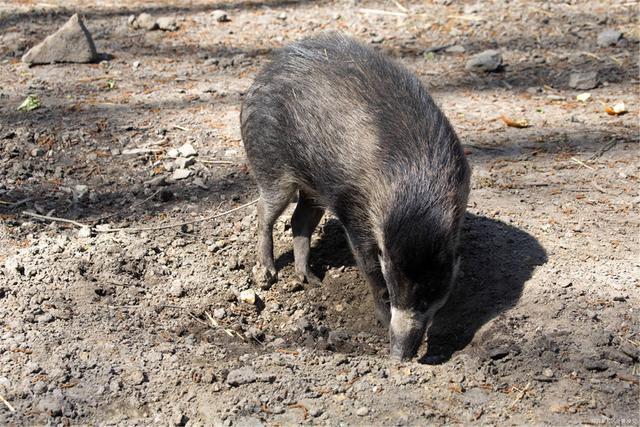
x: 146, y: 327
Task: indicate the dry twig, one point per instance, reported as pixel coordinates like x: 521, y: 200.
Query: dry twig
x: 54, y: 219
x: 137, y: 230
x: 521, y: 395
x: 8, y: 405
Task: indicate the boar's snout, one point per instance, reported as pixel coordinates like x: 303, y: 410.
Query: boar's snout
x: 406, y: 332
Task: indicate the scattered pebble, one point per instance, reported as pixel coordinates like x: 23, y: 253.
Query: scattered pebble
x: 145, y: 21
x: 248, y: 297
x: 487, y: 61
x: 167, y: 23
x: 220, y: 16
x: 609, y: 37
x: 362, y: 411
x: 179, y: 174
x: 187, y: 150
x: 583, y: 80
x: 176, y: 289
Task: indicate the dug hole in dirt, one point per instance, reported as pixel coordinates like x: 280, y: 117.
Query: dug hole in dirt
x: 166, y: 326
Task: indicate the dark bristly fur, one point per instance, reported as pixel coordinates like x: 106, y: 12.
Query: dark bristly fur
x: 356, y: 133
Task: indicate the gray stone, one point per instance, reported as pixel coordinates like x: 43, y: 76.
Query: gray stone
x: 220, y: 16
x: 362, y: 411
x: 179, y: 174
x: 187, y: 150
x: 40, y: 387
x: 13, y: 266
x: 176, y: 290
x: 167, y: 23
x: 51, y: 405
x: 81, y: 193
x: 182, y: 162
x: 84, y: 232
x: 146, y: 22
x: 609, y: 37
x: 487, y: 61
x: 583, y: 80
x: 456, y: 48
x: 71, y: 43
x: 241, y: 376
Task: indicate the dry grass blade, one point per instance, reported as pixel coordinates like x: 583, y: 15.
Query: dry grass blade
x: 8, y: 405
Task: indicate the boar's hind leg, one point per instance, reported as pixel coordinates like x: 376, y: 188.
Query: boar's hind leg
x: 270, y: 206
x: 304, y: 220
x: 366, y: 256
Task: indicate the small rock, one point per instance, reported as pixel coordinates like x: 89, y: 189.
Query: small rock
x: 167, y: 23
x: 13, y: 266
x: 179, y: 174
x: 220, y: 16
x: 173, y: 153
x: 187, y: 150
x: 136, y: 65
x: 304, y: 324
x: 138, y: 377
x: 182, y: 163
x: 81, y: 193
x: 593, y: 364
x: 294, y: 286
x: 241, y: 376
x: 51, y: 405
x: 5, y: 384
x: 40, y: 387
x: 157, y: 181
x: 609, y: 37
x: 198, y: 182
x: 456, y: 48
x: 583, y: 80
x: 219, y: 313
x: 315, y: 412
x: 115, y: 385
x: 179, y: 419
x: 547, y: 373
x: 145, y: 22
x: 498, y: 352
x: 230, y: 296
x: 176, y: 290
x: 362, y: 411
x: 71, y: 43
x: 84, y: 232
x: 282, y: 16
x: 487, y: 61
x: 37, y: 152
x: 377, y: 39
x: 248, y: 296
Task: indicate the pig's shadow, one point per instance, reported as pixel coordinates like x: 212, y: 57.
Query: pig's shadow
x: 497, y: 260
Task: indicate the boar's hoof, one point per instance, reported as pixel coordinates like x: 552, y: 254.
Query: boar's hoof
x: 309, y: 278
x: 264, y: 276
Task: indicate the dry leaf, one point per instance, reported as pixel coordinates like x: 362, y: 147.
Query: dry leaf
x: 515, y: 123
x: 616, y: 110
